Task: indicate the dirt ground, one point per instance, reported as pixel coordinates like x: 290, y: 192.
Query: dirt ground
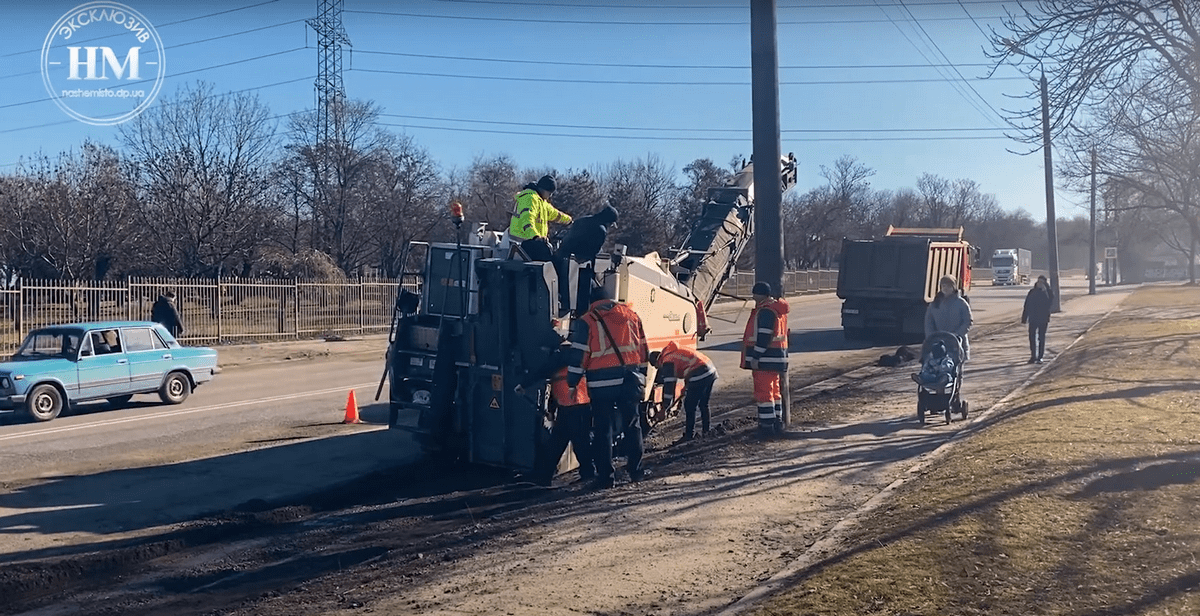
x: 1079, y: 496
x: 717, y: 518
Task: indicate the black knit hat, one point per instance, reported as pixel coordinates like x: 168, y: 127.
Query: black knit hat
x: 546, y: 184
x: 761, y: 288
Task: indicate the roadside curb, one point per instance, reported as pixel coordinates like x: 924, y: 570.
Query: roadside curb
x: 827, y: 546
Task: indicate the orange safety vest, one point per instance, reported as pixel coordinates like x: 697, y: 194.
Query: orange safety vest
x: 561, y: 392
x: 690, y: 364
x: 606, y: 366
x: 773, y: 356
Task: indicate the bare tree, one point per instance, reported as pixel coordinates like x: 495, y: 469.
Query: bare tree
x: 644, y: 192
x: 411, y: 192
x: 202, y: 164
x: 338, y: 177
x: 936, y: 210
x: 491, y: 185
x: 74, y: 217
x: 702, y: 174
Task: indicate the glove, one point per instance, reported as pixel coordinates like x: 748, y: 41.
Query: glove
x: 753, y: 363
x: 1023, y: 321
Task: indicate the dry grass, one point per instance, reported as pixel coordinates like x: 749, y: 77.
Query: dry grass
x: 1080, y: 498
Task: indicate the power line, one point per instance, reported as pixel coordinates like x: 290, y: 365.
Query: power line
x: 700, y: 6
x: 929, y: 38
x: 665, y: 83
x: 196, y: 42
x: 179, y: 74
x: 592, y: 22
x: 662, y: 138
x: 660, y: 66
x: 169, y: 23
x: 702, y: 130
x: 231, y: 92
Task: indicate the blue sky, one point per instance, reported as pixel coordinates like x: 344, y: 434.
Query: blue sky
x: 574, y: 83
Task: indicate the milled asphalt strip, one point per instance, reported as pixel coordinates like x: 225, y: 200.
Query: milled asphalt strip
x: 201, y: 409
x: 827, y: 544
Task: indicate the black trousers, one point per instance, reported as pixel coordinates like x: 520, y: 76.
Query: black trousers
x: 1037, y: 339
x: 696, y: 396
x: 537, y: 249
x: 614, y: 413
x: 572, y: 424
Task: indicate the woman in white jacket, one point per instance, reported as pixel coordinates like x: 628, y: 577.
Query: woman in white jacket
x: 949, y: 312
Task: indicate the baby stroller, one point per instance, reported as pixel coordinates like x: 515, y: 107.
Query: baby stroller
x: 942, y: 398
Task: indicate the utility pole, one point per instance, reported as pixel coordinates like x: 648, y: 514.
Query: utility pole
x: 1051, y: 221
x: 768, y: 190
x: 1092, y: 242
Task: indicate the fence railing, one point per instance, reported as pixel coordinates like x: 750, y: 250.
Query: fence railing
x: 794, y: 283
x: 213, y: 311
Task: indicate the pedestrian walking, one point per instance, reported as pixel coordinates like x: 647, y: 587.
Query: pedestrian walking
x: 949, y: 312
x: 764, y: 353
x: 698, y: 373
x: 165, y: 313
x: 609, y: 348
x: 530, y: 222
x: 1037, y: 314
x: 572, y: 418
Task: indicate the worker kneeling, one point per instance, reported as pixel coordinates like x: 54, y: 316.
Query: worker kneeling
x: 698, y: 373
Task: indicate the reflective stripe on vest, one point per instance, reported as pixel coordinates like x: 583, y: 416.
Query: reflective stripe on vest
x: 603, y: 357
x: 690, y: 365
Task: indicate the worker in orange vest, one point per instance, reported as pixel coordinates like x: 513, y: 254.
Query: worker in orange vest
x: 608, y: 345
x: 764, y: 353
x: 572, y: 418
x: 675, y: 363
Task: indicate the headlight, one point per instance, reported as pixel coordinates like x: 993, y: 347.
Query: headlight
x: 421, y: 396
x: 3, y: 382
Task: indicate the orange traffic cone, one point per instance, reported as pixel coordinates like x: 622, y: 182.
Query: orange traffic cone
x: 351, y: 410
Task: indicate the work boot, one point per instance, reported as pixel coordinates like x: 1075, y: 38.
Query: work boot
x: 638, y: 475
x: 778, y: 427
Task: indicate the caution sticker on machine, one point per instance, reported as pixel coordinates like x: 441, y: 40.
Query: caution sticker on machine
x: 495, y: 403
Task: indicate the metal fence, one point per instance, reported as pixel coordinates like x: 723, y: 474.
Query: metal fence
x: 794, y: 283
x: 213, y: 311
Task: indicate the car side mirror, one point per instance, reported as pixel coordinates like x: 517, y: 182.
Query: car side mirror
x: 85, y: 353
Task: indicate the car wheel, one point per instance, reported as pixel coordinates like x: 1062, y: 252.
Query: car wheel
x: 175, y: 389
x: 44, y: 403
x: 120, y: 400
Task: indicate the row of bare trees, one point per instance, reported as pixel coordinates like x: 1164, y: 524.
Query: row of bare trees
x: 1124, y: 91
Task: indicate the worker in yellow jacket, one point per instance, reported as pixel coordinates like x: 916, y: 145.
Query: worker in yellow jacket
x: 530, y: 223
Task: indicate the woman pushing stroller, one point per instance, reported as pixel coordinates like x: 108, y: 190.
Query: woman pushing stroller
x: 951, y: 313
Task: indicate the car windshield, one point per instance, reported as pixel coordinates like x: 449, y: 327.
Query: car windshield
x: 50, y: 343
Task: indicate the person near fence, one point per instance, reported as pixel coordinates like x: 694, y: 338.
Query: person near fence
x: 698, y: 373
x: 531, y: 222
x: 1037, y: 314
x: 765, y: 353
x: 165, y: 313
x: 609, y: 346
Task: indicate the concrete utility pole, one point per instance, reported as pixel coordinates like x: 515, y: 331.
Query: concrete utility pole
x: 1092, y: 242
x: 768, y: 190
x: 1051, y: 218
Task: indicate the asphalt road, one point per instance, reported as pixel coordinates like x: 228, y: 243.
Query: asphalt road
x: 274, y: 432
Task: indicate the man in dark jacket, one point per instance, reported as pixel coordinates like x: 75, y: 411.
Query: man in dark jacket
x: 1037, y: 315
x: 164, y: 312
x: 583, y: 242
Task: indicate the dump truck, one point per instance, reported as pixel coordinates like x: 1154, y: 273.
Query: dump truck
x: 1011, y: 266
x: 482, y: 321
x: 886, y: 283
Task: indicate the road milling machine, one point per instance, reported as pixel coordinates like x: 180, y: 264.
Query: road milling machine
x: 482, y: 320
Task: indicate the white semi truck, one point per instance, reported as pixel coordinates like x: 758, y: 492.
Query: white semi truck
x: 1011, y: 266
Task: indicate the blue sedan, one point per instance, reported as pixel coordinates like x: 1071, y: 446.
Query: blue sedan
x: 65, y: 364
